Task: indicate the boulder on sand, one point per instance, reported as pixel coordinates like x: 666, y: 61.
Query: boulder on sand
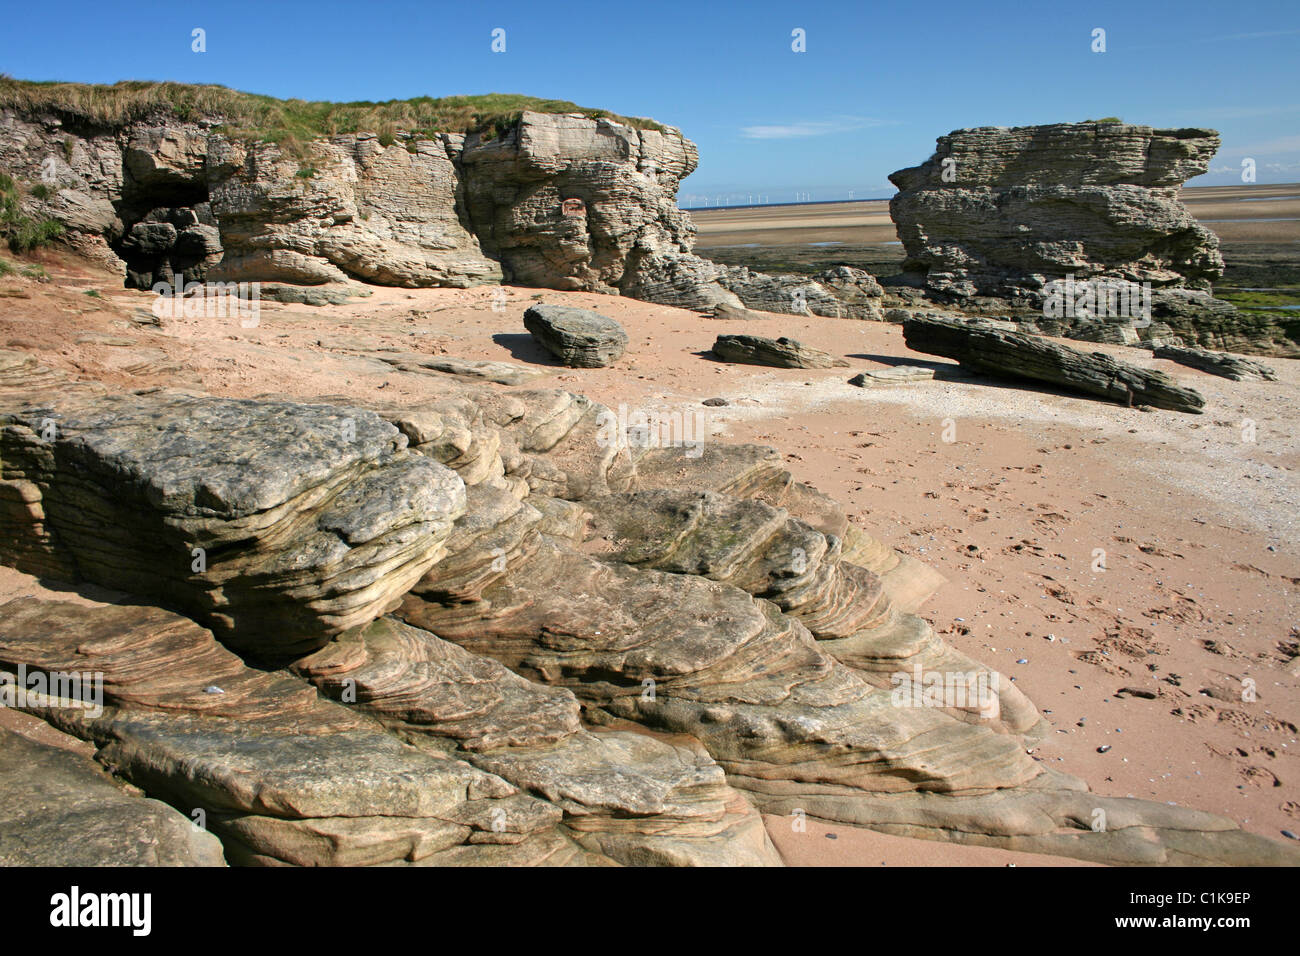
x: 577, y: 337
x: 782, y: 352
x: 1218, y: 363
x: 998, y: 352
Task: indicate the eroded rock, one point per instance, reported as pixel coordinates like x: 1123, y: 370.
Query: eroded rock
x: 579, y: 338
x: 781, y: 353
x: 998, y: 352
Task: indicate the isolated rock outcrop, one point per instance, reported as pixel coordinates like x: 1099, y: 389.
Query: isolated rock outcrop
x: 998, y: 352
x: 1000, y: 212
x: 1217, y: 363
x: 579, y: 338
x: 781, y: 353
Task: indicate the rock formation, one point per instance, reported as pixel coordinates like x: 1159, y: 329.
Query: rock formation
x: 898, y: 375
x: 781, y: 353
x: 1001, y: 212
x: 561, y: 595
x: 62, y: 809
x: 995, y: 351
x: 1218, y: 363
x: 579, y: 338
x: 274, y: 524
x: 559, y: 201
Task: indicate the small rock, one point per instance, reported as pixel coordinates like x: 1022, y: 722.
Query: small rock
x: 781, y: 353
x: 577, y: 337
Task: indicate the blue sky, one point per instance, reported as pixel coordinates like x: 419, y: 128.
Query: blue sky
x: 877, y: 83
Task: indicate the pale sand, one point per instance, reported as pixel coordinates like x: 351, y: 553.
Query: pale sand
x: 1232, y: 212
x: 1191, y: 598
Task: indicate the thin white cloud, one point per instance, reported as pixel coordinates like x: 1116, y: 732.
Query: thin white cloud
x: 1255, y: 36
x: 804, y: 128
x: 1283, y: 144
x: 1237, y: 112
x: 1263, y: 35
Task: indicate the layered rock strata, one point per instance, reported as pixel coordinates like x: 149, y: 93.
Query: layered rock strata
x: 589, y: 588
x: 556, y: 200
x: 997, y: 352
x: 998, y: 211
x: 276, y: 524
x: 1217, y: 363
x: 284, y: 777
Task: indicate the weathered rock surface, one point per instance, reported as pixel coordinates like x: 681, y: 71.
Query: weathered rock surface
x: 579, y: 338
x: 62, y: 809
x: 727, y: 311
x: 695, y: 592
x: 276, y: 524
x: 503, y: 373
x: 280, y: 775
x: 286, y: 777
x: 781, y: 353
x: 626, y: 795
x: 792, y: 726
x: 557, y: 201
x: 1218, y: 363
x: 1202, y: 320
x: 765, y: 552
x: 898, y: 375
x: 998, y: 352
x: 998, y: 211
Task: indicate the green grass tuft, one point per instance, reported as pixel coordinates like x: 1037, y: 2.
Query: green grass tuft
x: 22, y: 232
x: 290, y: 123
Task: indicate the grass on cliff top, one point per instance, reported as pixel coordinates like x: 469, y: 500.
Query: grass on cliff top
x: 291, y: 123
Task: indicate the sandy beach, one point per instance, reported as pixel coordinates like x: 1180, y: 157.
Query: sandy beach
x: 1247, y: 213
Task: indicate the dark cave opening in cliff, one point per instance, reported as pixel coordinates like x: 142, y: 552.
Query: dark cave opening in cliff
x: 169, y: 233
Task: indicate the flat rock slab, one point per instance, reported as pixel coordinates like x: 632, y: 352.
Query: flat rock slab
x: 780, y: 353
x: 311, y: 295
x: 502, y: 373
x: 577, y: 337
x: 898, y: 375
x: 1218, y: 363
x: 724, y: 310
x: 59, y: 808
x: 998, y: 352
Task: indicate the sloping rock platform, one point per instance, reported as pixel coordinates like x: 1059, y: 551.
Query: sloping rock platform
x: 598, y: 652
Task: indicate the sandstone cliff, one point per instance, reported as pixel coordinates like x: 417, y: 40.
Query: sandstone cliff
x: 556, y: 200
